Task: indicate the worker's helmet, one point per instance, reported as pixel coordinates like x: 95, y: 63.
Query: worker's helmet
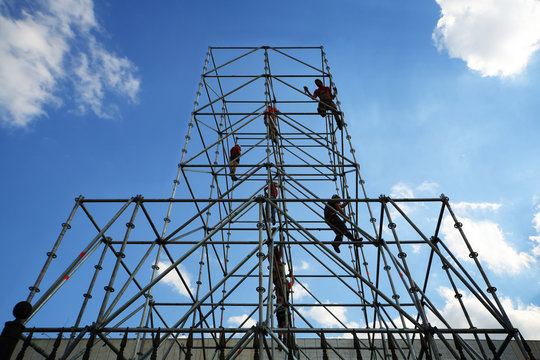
x: 318, y: 82
x: 335, y: 196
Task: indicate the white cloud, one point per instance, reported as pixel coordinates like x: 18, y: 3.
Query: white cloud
x: 536, y: 238
x: 237, y: 320
x: 304, y: 265
x: 52, y: 45
x: 401, y: 190
x: 299, y: 292
x: 468, y: 206
x: 488, y: 240
x: 525, y: 317
x: 324, y: 317
x: 172, y: 279
x: 494, y: 37
x: 429, y: 187
x: 407, y: 191
x: 350, y: 325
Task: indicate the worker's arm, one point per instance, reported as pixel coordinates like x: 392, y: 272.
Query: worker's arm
x: 333, y: 95
x: 314, y: 96
x: 340, y: 209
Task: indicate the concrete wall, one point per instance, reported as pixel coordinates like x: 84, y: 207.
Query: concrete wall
x: 311, y: 350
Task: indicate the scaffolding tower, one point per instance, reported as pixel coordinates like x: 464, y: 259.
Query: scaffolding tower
x: 244, y: 263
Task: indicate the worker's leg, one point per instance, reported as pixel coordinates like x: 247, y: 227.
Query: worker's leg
x: 273, y: 131
x: 267, y: 207
x: 337, y: 115
x: 321, y: 109
x: 340, y: 228
x: 273, y: 210
x: 335, y: 225
x: 233, y: 164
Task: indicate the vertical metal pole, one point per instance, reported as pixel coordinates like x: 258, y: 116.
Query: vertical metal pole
x: 176, y: 183
x: 260, y: 289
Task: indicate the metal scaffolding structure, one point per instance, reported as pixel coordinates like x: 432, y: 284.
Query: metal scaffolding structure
x: 150, y: 287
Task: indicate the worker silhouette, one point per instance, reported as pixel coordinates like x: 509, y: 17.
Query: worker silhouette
x: 282, y: 289
x: 270, y: 120
x: 271, y: 192
x: 236, y: 152
x: 326, y: 97
x: 332, y: 212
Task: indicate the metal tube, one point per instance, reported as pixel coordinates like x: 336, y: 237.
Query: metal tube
x: 52, y: 254
x: 175, y: 264
x: 109, y: 288
x: 90, y: 248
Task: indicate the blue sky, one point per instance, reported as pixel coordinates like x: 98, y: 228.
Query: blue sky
x: 440, y: 97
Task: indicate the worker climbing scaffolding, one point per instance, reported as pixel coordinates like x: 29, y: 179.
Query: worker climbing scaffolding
x: 332, y: 212
x: 270, y: 120
x: 282, y: 290
x: 326, y: 101
x: 271, y: 192
x: 235, y: 153
x: 211, y: 223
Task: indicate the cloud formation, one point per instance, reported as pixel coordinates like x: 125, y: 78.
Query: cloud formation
x: 173, y: 280
x: 486, y: 238
x: 299, y: 291
x: 525, y: 317
x: 51, y: 46
x: 329, y: 317
x: 494, y: 37
x: 536, y: 238
x: 237, y: 320
x: 304, y: 265
x: 404, y: 190
x: 465, y: 207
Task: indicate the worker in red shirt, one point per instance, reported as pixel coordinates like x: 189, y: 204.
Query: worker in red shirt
x: 333, y: 211
x: 270, y: 120
x: 234, y: 160
x: 282, y: 290
x: 326, y: 97
x: 272, y: 195
x: 283, y: 313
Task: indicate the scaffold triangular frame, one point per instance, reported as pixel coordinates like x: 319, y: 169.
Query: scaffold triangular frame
x: 271, y: 250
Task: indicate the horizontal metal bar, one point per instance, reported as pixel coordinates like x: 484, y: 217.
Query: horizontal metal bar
x: 352, y: 200
x: 232, y: 242
x: 250, y: 113
x: 274, y: 165
x: 265, y: 101
x: 265, y: 47
x: 326, y: 176
x: 291, y: 330
x: 287, y: 134
x: 293, y: 146
x: 262, y: 75
x: 266, y: 304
